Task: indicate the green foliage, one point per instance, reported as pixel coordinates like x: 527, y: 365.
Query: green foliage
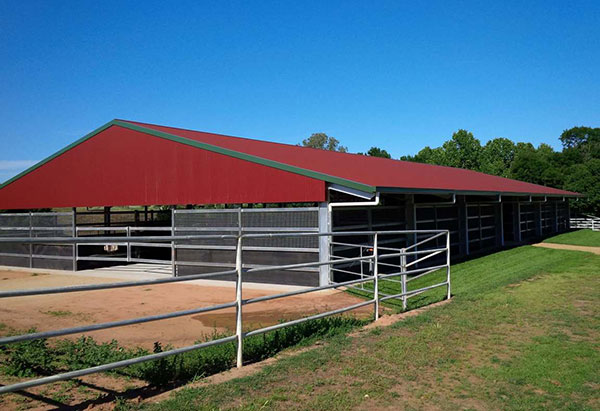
x: 33, y: 358
x: 462, y: 150
x: 497, y: 156
x: 377, y: 152
x: 323, y: 142
x: 86, y: 352
x: 585, y: 178
x: 28, y: 358
x: 575, y: 168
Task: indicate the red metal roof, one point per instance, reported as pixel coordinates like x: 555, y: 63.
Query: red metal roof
x: 372, y: 171
x: 119, y: 167
x: 130, y: 163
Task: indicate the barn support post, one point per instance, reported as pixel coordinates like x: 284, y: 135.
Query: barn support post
x: 410, y: 216
x: 324, y: 227
x: 238, y: 303
x: 555, y: 221
x: 74, y: 234
x: 517, y: 220
x: 537, y: 213
x: 499, y: 224
x: 375, y: 277
x: 173, y: 248
x: 107, y: 216
x: 568, y: 215
x: 30, y: 235
x: 128, y: 234
x: 463, y: 226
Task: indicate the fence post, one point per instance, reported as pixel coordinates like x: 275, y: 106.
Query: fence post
x: 238, y: 302
x: 448, y: 262
x: 30, y: 236
x: 376, y: 277
x: 362, y: 274
x: 128, y: 234
x: 403, y: 277
x: 173, y: 249
x: 74, y: 234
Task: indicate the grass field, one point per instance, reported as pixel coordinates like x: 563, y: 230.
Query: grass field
x: 522, y: 333
x: 580, y: 237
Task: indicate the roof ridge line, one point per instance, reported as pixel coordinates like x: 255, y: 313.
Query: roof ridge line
x: 197, y: 144
x: 246, y: 157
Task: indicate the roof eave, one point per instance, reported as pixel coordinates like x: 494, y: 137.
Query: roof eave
x: 402, y: 190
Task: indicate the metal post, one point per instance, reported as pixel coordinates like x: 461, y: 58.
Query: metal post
x: 448, y: 262
x: 463, y: 241
x: 325, y: 276
x: 555, y: 226
x: 403, y: 277
x: 537, y: 215
x: 74, y: 234
x: 467, y: 244
x: 568, y: 216
x: 128, y: 233
x: 30, y: 236
x: 498, y: 208
x: 173, y: 249
x: 518, y: 222
x: 238, y: 303
x: 376, y: 277
x: 362, y: 275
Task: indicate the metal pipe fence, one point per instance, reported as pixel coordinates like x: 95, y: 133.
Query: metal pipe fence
x: 373, y: 276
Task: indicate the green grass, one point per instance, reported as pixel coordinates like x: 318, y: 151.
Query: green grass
x: 521, y: 334
x: 580, y: 237
x: 38, y: 357
x: 58, y: 313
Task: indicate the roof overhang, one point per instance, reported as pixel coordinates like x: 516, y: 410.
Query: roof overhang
x: 400, y: 190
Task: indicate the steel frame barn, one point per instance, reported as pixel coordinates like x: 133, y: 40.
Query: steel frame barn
x: 259, y: 187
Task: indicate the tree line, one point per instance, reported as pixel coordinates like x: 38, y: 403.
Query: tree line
x: 575, y: 168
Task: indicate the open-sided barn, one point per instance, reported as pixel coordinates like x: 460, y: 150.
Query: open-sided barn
x: 264, y: 186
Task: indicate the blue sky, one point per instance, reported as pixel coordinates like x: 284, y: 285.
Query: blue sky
x: 398, y: 75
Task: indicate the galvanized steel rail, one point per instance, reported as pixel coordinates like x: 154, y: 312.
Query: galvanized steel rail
x: 375, y: 277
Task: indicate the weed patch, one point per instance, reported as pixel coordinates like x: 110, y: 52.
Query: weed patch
x: 37, y: 357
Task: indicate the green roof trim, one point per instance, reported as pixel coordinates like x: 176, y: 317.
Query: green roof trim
x: 204, y: 146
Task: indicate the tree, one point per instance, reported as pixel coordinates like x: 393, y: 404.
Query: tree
x: 497, y: 156
x: 323, y: 142
x: 579, y: 136
x: 377, y: 152
x: 429, y: 155
x: 585, y: 178
x: 462, y: 151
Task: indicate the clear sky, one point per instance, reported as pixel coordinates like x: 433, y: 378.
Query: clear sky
x: 398, y: 75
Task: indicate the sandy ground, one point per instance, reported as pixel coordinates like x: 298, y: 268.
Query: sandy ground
x: 595, y: 250
x: 46, y: 312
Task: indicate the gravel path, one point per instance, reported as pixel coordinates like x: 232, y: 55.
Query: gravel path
x: 595, y: 250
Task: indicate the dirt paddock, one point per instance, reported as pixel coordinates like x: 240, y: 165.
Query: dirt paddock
x: 47, y: 312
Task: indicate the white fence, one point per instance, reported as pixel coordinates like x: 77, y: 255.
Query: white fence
x: 590, y: 222
x: 379, y: 258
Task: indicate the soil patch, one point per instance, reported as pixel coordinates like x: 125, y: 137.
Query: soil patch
x: 595, y: 250
x: 48, y: 312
